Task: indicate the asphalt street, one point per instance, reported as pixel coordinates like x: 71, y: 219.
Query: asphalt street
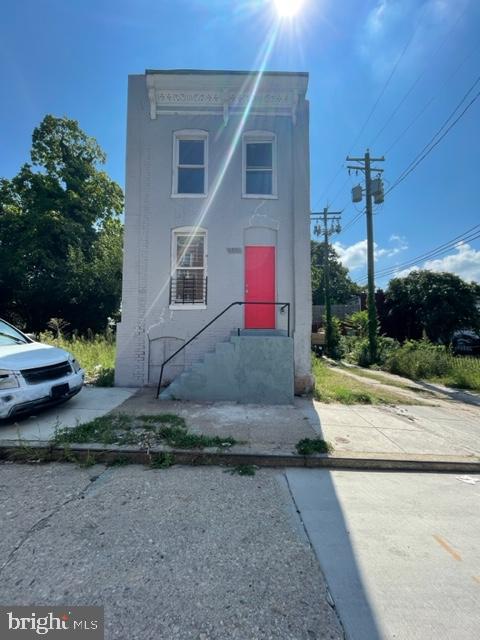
x: 171, y: 554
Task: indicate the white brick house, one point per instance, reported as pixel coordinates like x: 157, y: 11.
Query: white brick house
x: 217, y: 211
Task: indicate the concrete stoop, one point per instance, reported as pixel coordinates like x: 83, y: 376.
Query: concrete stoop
x: 249, y: 368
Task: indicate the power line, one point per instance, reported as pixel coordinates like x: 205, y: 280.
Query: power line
x: 430, y: 146
x: 353, y: 221
x: 432, y: 99
x: 427, y: 149
x: 339, y: 190
x: 466, y: 236
x: 388, y: 80
x: 419, y: 77
x: 375, y: 105
x: 433, y: 253
x: 417, y: 262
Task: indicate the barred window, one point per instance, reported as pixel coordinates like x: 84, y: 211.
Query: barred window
x: 189, y: 274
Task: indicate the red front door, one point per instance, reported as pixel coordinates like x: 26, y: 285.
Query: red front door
x: 259, y: 287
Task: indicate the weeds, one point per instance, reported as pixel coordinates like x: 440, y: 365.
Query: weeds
x: 242, y: 470
x: 118, y: 461
x: 88, y: 461
x: 162, y: 460
x: 308, y: 446
x: 143, y: 431
x: 96, y: 354
x: 422, y: 360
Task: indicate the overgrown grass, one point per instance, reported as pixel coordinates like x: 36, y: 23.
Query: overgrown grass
x: 143, y: 431
x: 333, y: 386
x: 422, y: 360
x: 96, y: 355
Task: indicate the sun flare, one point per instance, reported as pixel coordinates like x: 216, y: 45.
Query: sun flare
x: 288, y: 8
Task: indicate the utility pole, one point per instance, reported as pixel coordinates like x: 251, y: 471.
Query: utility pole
x: 373, y: 188
x: 328, y: 223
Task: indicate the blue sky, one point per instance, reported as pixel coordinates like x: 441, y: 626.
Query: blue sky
x: 72, y: 57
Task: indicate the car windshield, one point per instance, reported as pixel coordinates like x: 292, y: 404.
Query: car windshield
x: 9, y: 335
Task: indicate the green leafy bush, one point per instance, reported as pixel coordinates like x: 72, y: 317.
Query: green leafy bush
x: 419, y: 359
x: 334, y: 349
x: 359, y: 322
x: 356, y: 350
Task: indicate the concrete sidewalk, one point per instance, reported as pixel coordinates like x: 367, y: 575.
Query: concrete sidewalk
x: 376, y: 437
x: 90, y: 403
x: 451, y: 429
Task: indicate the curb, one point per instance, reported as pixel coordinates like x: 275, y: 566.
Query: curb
x: 29, y: 451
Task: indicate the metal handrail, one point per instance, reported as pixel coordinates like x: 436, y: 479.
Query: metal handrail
x: 232, y: 304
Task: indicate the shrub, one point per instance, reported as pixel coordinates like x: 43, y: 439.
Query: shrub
x: 419, y: 359
x: 334, y: 350
x: 356, y: 350
x: 359, y: 322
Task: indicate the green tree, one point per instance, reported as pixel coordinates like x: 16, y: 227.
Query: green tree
x: 60, y: 237
x: 342, y: 288
x: 432, y: 304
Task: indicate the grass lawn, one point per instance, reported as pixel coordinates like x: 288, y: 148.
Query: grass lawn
x: 379, y: 377
x: 332, y: 386
x: 462, y: 375
x: 96, y: 355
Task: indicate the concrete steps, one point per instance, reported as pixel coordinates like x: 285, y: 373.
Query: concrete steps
x: 250, y: 368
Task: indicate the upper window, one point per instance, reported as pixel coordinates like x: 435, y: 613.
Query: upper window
x: 259, y: 165
x: 190, y: 164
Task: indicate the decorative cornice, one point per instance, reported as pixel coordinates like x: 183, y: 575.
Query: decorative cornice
x: 223, y: 102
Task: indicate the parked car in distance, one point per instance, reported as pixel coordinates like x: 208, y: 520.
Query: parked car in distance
x: 33, y: 374
x: 466, y: 343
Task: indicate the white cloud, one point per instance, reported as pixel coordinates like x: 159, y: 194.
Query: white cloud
x: 464, y: 263
x: 355, y: 256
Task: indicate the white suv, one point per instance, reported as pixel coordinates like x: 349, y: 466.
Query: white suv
x: 33, y: 374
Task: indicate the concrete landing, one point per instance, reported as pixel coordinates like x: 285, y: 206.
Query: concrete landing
x: 246, y: 369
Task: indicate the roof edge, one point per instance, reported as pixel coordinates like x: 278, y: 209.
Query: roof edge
x: 226, y: 72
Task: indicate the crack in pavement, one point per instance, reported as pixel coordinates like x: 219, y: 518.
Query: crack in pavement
x: 43, y: 522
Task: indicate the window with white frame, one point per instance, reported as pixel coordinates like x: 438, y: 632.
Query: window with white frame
x: 188, y: 285
x: 259, y: 165
x: 190, y: 163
